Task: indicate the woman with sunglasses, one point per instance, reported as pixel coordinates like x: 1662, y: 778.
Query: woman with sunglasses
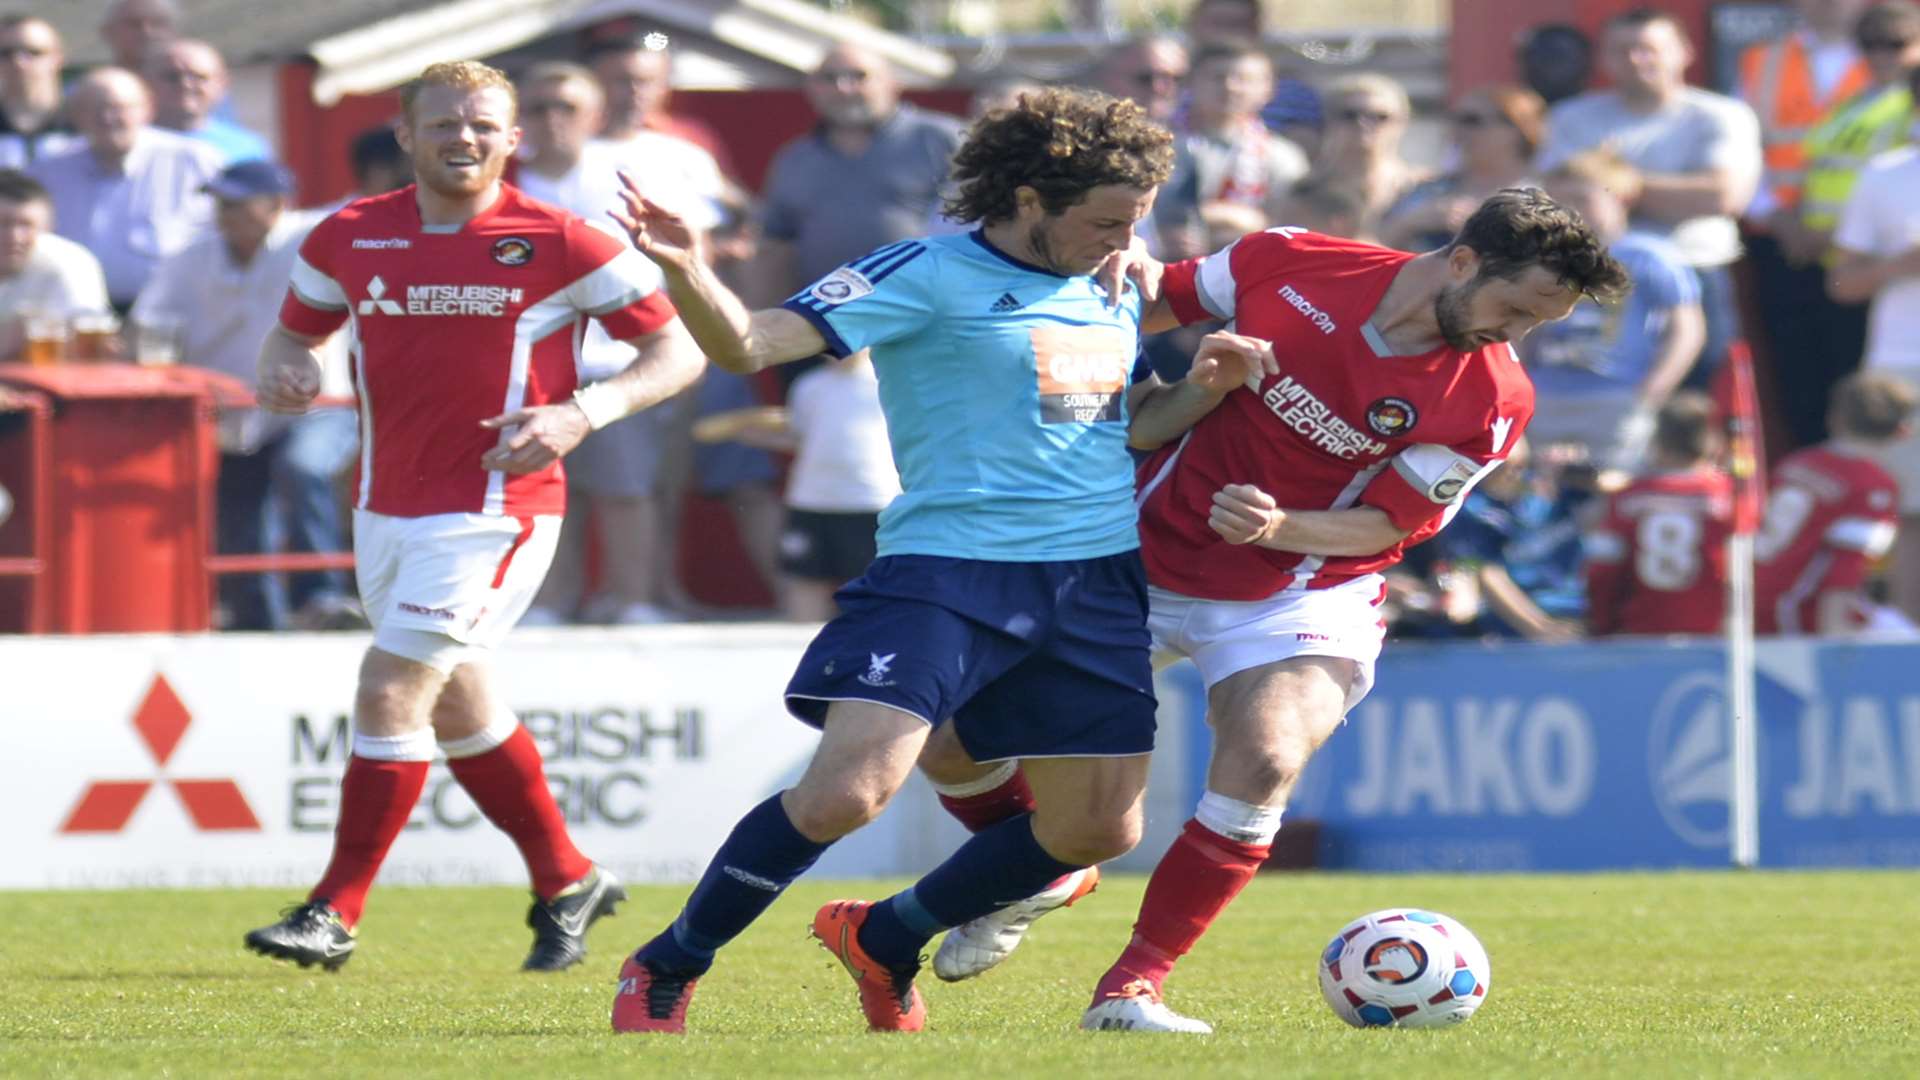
x: 1496, y: 130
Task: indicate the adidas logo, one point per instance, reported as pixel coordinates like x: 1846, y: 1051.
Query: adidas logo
x: 1005, y: 303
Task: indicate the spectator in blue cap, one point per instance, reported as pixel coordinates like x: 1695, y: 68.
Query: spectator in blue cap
x: 217, y: 299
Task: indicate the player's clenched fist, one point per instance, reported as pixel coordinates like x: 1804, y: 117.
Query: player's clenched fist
x: 1243, y: 514
x: 1226, y: 360
x: 287, y: 384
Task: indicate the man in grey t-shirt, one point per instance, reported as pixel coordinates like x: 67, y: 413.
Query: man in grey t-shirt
x: 1697, y: 153
x: 872, y: 173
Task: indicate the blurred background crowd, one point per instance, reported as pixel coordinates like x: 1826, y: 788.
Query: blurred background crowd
x: 142, y: 220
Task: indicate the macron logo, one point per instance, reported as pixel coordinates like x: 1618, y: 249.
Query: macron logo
x: 394, y: 243
x: 1305, y: 307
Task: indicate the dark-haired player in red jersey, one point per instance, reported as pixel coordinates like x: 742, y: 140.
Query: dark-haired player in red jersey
x: 1657, y: 558
x: 1266, y: 525
x: 1831, y: 511
x: 467, y: 302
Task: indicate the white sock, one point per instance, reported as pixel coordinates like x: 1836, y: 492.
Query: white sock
x: 502, y: 729
x: 1240, y: 822
x: 970, y: 788
x: 412, y: 746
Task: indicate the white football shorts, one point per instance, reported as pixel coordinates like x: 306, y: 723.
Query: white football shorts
x: 1225, y: 637
x: 466, y: 577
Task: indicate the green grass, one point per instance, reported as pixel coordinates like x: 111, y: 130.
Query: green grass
x: 1629, y: 975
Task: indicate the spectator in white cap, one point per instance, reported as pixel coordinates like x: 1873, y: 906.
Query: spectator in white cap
x: 220, y: 296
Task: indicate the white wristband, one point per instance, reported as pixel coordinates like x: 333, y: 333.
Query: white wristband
x: 601, y: 403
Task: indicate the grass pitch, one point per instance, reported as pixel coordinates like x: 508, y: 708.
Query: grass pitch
x: 1726, y: 974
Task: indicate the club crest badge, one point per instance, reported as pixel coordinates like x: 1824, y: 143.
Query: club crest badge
x: 1392, y: 416
x: 513, y: 251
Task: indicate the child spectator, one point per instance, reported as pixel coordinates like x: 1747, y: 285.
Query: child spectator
x: 842, y: 477
x: 1831, y: 512
x: 1656, y: 562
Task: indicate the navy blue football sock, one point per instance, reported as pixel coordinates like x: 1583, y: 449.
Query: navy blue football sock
x: 749, y: 872
x: 998, y: 866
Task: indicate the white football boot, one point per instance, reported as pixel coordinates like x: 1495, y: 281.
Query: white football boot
x: 1137, y: 1007
x: 972, y: 948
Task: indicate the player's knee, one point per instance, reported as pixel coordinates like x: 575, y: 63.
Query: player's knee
x: 945, y: 761
x: 382, y: 703
x: 1091, y: 840
x: 830, y: 814
x: 1272, y: 774
x: 1261, y: 773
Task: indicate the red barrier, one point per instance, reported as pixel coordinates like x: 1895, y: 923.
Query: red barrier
x: 26, y: 470
x: 126, y: 496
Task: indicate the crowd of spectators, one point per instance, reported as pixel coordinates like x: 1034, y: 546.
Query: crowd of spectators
x: 1786, y: 215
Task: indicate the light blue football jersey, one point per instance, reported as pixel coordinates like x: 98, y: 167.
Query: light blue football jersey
x: 1004, y: 388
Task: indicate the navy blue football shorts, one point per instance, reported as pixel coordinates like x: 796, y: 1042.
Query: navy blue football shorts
x: 1045, y: 659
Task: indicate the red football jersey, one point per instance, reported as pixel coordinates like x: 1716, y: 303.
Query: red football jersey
x: 1830, y: 513
x: 1345, y: 423
x: 1657, y: 559
x: 452, y: 327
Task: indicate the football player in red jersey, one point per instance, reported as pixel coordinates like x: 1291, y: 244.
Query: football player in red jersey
x: 1265, y: 522
x: 466, y: 300
x: 1657, y: 558
x: 1831, y: 512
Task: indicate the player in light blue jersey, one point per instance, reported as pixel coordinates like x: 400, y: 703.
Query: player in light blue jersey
x: 1008, y: 603
x: 973, y: 345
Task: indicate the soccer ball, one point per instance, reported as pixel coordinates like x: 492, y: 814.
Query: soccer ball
x: 1404, y: 967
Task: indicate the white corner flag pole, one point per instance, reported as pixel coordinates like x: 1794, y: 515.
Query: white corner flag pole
x: 1743, y: 429
x: 1744, y: 809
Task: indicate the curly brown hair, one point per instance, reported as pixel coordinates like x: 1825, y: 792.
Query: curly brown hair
x: 1516, y: 228
x: 1062, y: 143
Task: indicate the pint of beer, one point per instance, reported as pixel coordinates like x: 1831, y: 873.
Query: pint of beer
x: 96, y: 336
x: 45, y: 334
x: 156, y: 341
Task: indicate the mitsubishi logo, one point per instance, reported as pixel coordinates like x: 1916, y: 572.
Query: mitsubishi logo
x: 377, y: 300
x: 107, y: 805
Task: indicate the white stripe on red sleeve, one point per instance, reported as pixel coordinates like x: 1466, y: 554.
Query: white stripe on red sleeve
x: 316, y: 289
x: 1443, y: 474
x: 614, y: 284
x: 1865, y: 535
x: 1215, y: 283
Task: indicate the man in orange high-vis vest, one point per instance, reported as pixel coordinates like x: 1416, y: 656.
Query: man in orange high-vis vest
x: 1791, y: 83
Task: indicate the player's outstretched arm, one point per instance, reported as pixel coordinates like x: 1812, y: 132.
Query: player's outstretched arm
x: 288, y: 372
x: 1163, y: 412
x: 734, y: 338
x: 1243, y: 514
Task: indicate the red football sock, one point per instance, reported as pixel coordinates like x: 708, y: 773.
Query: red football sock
x: 375, y: 799
x: 991, y: 807
x: 509, y: 785
x: 1196, y: 879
